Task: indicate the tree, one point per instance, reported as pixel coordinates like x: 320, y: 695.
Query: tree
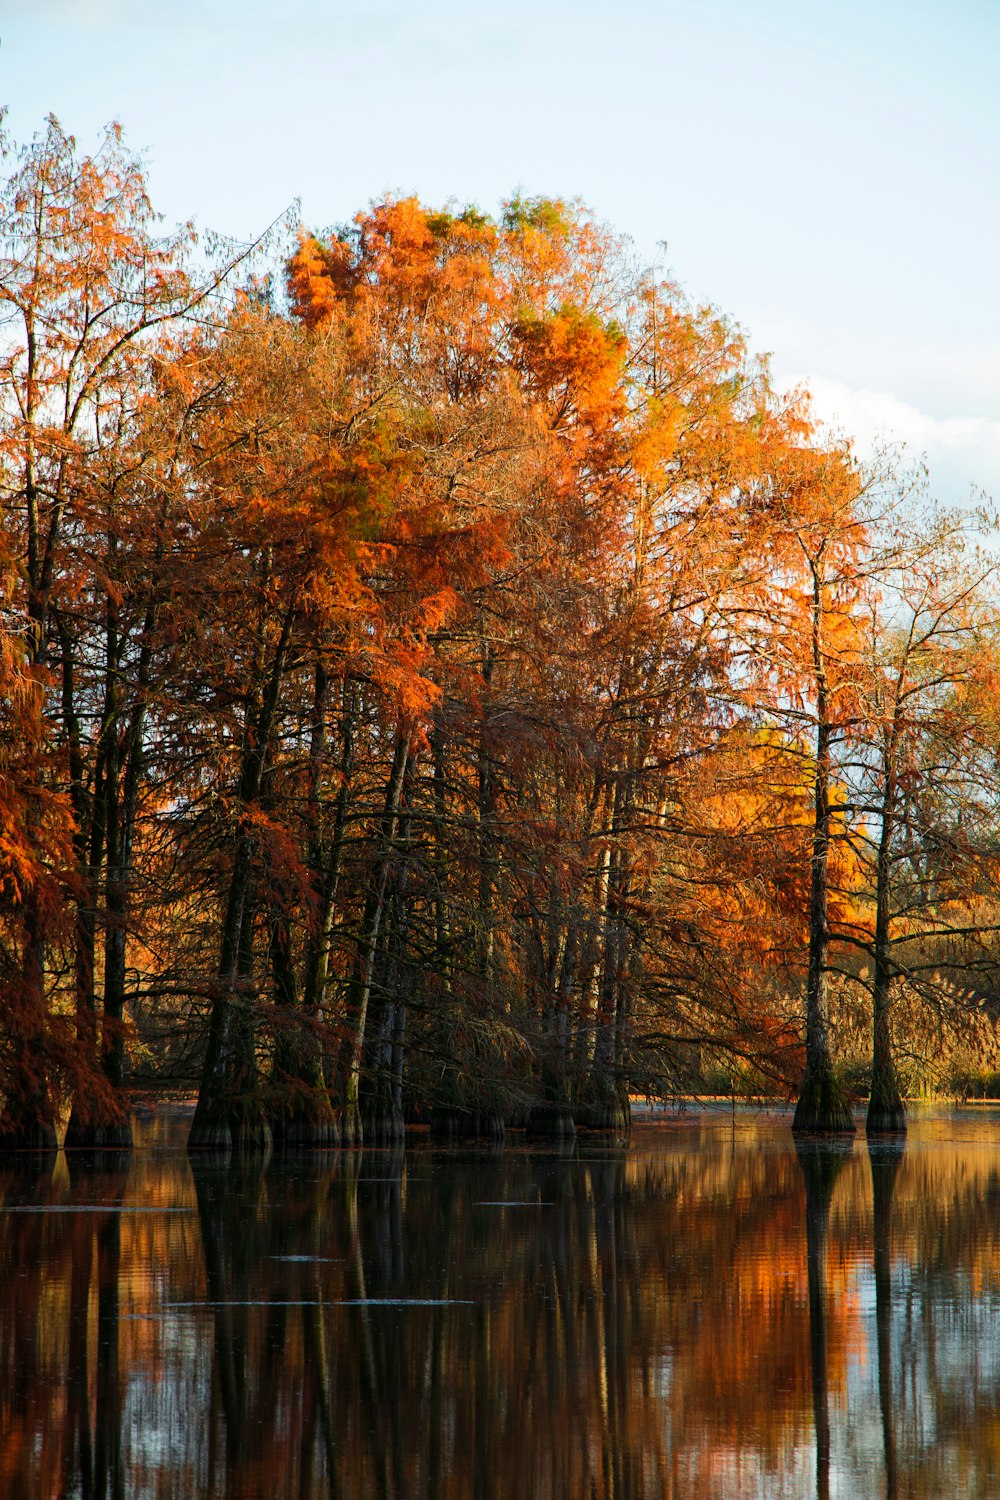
x: 927, y: 794
x: 87, y: 287
x: 83, y: 280
x: 458, y: 685
x: 803, y: 660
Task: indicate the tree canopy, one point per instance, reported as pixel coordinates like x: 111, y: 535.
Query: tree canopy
x: 443, y: 679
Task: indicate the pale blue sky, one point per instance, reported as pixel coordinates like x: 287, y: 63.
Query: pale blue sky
x: 825, y: 173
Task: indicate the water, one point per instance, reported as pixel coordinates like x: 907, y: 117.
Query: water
x: 705, y: 1313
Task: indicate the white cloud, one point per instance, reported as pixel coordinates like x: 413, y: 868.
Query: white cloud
x: 962, y: 452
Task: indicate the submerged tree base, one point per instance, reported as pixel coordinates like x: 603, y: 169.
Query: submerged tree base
x: 609, y: 1112
x: 886, y: 1110
x: 82, y: 1162
x: 450, y: 1123
x: 551, y: 1122
x: 823, y: 1107
x: 210, y: 1133
x: 112, y: 1135
x: 298, y: 1107
x: 103, y: 1123
x: 36, y: 1136
x: 303, y: 1118
x: 347, y: 1119
x: 383, y: 1127
x: 252, y: 1135
x: 220, y: 1127
x: 294, y: 1132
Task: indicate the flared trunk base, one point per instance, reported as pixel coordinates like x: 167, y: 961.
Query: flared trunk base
x: 449, y: 1123
x: 823, y: 1107
x: 610, y: 1113
x: 37, y: 1136
x: 305, y: 1131
x: 383, y: 1127
x: 217, y: 1128
x: 551, y: 1122
x: 886, y: 1110
x: 98, y: 1135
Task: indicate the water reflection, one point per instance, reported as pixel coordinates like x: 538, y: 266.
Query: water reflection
x: 703, y: 1312
x: 97, y: 1457
x: 821, y: 1163
x: 886, y: 1158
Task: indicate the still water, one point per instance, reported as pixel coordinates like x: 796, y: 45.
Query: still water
x: 705, y: 1312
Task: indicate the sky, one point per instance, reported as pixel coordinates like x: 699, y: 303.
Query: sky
x: 826, y: 174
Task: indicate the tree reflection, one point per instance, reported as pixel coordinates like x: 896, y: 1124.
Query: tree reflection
x: 886, y: 1158
x: 60, y: 1388
x: 822, y: 1163
x: 30, y: 1377
x: 684, y: 1315
x: 98, y: 1181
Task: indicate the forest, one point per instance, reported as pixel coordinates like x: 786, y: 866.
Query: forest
x: 444, y: 681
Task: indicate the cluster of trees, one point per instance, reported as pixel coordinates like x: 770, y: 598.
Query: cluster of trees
x: 442, y: 675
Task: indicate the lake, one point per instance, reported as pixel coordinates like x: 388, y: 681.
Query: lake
x: 704, y: 1312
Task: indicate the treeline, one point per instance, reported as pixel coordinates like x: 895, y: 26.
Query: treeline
x: 440, y: 677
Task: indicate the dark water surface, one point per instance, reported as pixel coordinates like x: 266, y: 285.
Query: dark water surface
x: 705, y: 1312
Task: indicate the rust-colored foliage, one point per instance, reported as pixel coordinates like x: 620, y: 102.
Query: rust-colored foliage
x: 447, y: 690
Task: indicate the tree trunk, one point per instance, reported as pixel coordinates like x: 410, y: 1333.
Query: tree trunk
x: 29, y: 1114
x: 552, y: 1114
x: 117, y: 778
x: 583, y: 1045
x: 485, y: 807
x: 823, y: 1105
x: 359, y: 989
x: 326, y: 857
x: 382, y: 1102
x: 886, y: 1110
x: 606, y: 1105
x: 28, y: 1121
x: 89, y: 818
x: 230, y: 1110
x: 300, y: 1111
